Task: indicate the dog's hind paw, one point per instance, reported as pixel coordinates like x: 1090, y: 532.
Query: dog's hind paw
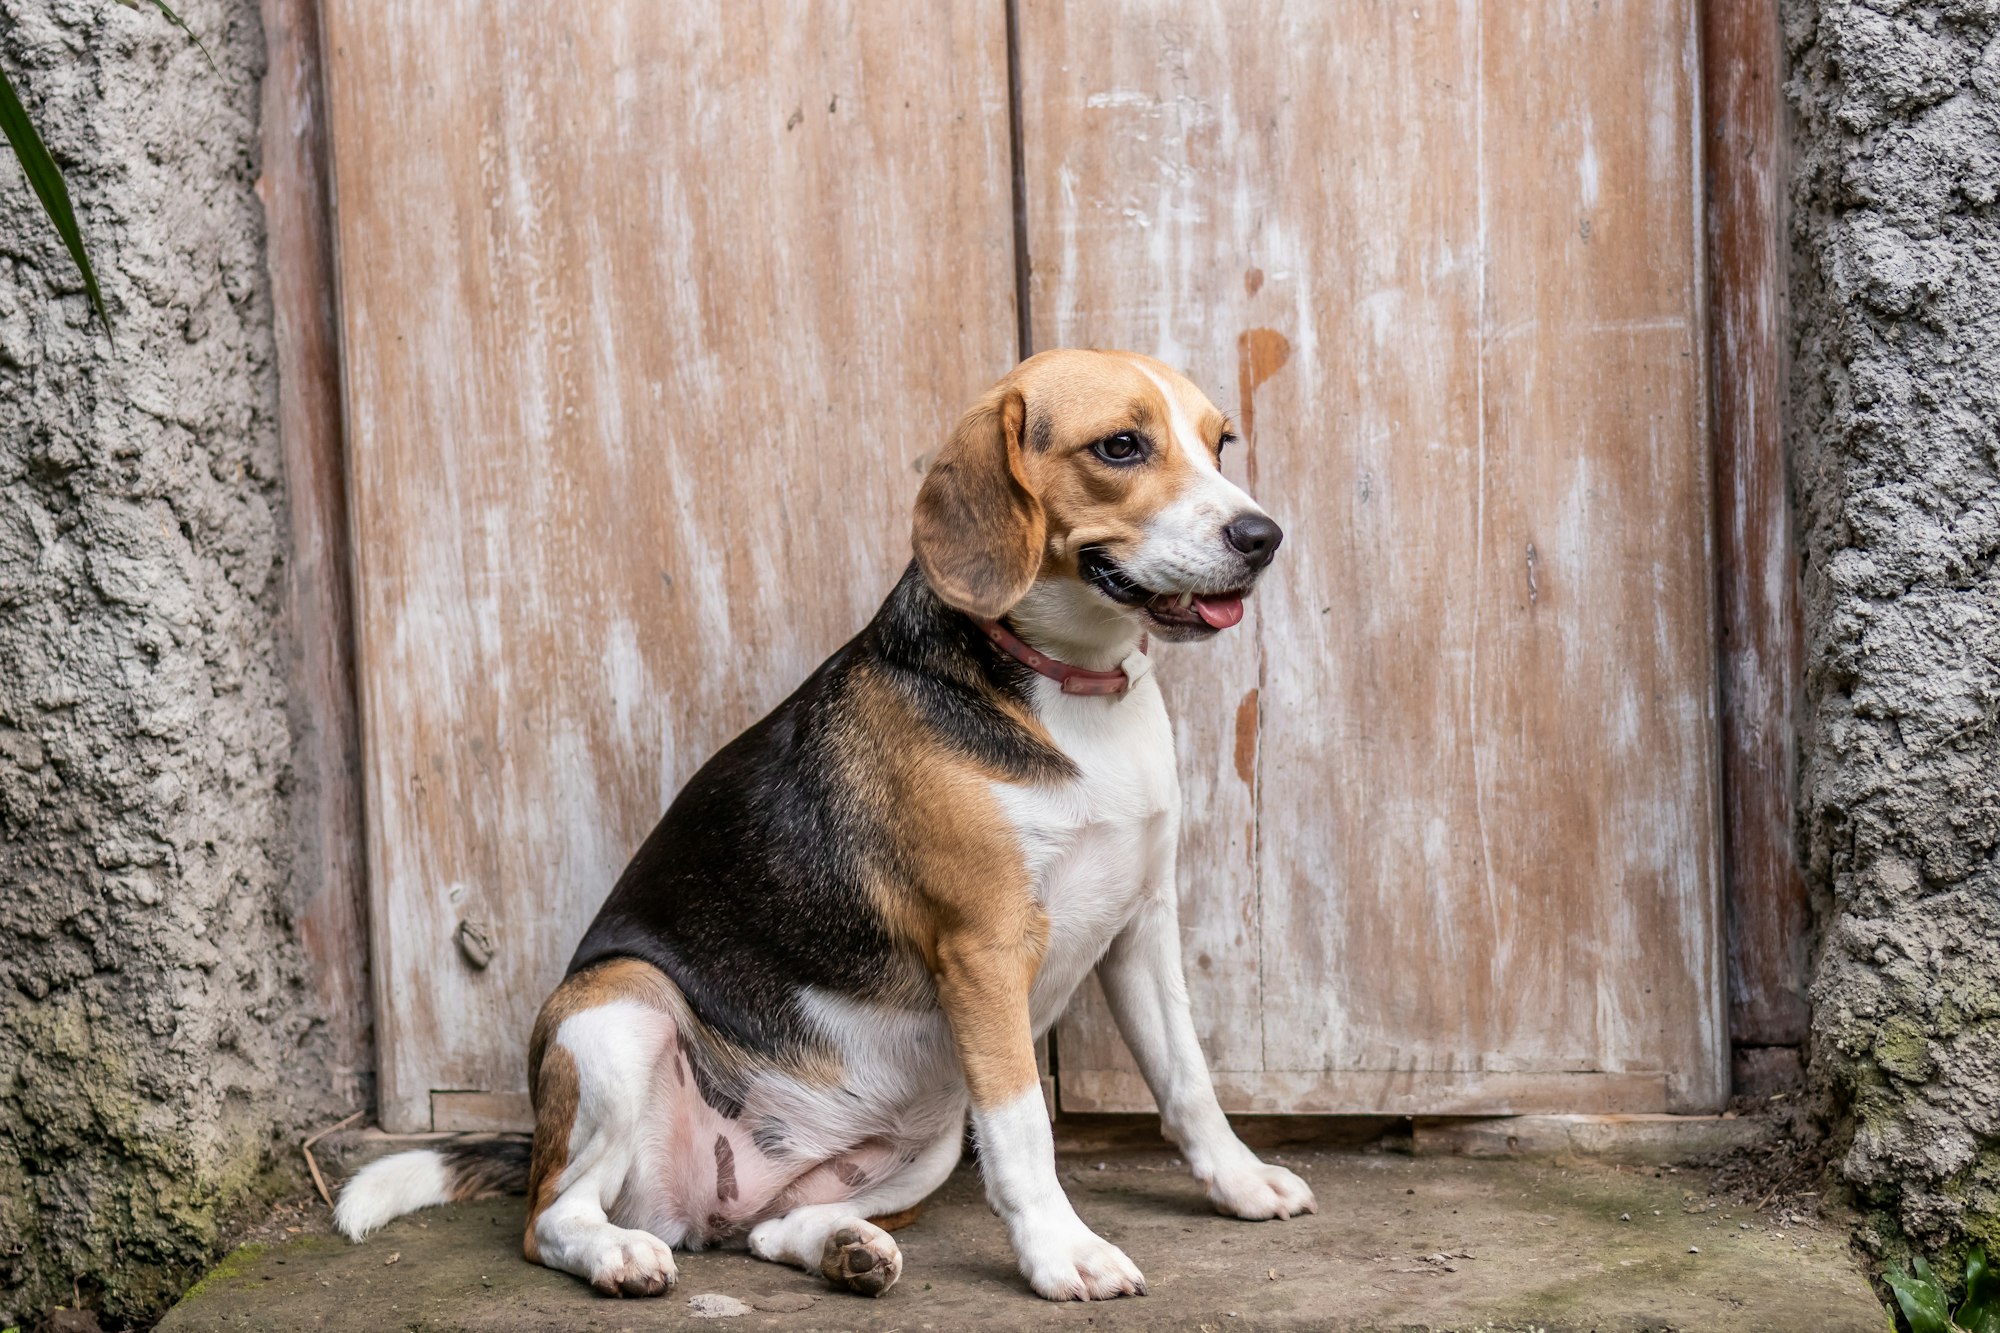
x: 861, y: 1256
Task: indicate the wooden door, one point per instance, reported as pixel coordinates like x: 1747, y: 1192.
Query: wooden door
x: 650, y: 313
x: 1452, y: 841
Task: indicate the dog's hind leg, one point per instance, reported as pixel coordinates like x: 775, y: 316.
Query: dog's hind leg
x: 839, y: 1241
x: 593, y: 1075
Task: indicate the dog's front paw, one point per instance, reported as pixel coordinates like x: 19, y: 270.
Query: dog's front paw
x: 1080, y: 1266
x: 1257, y: 1190
x: 632, y: 1263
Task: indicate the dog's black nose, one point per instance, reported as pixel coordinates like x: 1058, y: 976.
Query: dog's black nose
x: 1255, y: 538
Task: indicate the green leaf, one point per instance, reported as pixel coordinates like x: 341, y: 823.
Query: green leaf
x: 1922, y: 1300
x: 175, y: 19
x: 47, y: 180
x: 1980, y: 1312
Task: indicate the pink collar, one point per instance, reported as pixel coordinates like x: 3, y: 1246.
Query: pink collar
x: 1073, y: 679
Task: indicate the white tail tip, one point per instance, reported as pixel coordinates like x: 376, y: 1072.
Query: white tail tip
x: 385, y: 1190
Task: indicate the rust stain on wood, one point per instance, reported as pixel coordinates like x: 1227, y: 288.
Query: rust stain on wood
x: 1246, y: 738
x: 1260, y: 354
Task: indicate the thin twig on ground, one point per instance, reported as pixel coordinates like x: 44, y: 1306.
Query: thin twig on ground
x: 312, y: 1165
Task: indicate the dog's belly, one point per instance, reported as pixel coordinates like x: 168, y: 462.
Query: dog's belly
x: 705, y: 1174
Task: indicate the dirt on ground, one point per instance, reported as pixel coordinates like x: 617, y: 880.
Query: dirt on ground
x: 1400, y: 1242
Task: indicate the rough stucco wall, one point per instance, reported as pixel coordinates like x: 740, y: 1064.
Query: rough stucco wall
x: 1896, y: 439
x: 157, y: 1054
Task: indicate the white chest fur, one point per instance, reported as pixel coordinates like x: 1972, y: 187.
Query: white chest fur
x: 1095, y: 842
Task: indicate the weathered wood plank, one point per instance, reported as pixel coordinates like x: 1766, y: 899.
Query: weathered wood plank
x: 482, y: 1112
x: 329, y: 888
x: 1381, y: 1091
x: 1458, y: 306
x: 651, y: 312
x: 1760, y: 647
x: 1595, y: 754
x: 1120, y: 162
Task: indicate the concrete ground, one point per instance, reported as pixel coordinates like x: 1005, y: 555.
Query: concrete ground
x: 1402, y: 1242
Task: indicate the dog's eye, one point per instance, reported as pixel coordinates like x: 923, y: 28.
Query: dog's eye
x: 1223, y: 441
x: 1124, y: 447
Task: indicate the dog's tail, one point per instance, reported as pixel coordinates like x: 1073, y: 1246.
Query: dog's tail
x: 386, y: 1189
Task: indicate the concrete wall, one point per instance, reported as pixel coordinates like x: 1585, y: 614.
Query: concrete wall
x: 158, y: 1045
x: 1896, y: 456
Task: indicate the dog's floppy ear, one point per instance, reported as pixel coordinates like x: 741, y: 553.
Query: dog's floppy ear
x: 980, y: 527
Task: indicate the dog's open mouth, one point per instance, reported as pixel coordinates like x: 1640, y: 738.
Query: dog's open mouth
x: 1203, y: 612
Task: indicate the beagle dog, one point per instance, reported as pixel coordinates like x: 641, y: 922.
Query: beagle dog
x: 854, y: 922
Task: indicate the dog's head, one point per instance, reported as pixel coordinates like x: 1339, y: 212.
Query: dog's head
x: 1101, y: 468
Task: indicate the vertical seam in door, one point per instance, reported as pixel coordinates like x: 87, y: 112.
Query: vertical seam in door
x: 1257, y: 833
x: 1479, y: 475
x: 1024, y: 337
x: 1721, y: 897
x: 1024, y: 334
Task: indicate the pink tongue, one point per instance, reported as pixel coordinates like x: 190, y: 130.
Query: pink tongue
x: 1220, y: 612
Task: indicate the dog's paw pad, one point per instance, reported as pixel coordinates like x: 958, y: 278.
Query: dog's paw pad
x: 862, y: 1257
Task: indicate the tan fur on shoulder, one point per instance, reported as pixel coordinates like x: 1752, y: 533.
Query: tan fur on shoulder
x: 955, y: 886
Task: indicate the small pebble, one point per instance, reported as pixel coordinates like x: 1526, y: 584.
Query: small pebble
x: 1694, y: 1249
x: 1624, y: 1217
x: 714, y: 1305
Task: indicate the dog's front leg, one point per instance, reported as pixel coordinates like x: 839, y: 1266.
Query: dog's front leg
x: 984, y: 974
x: 1142, y: 979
